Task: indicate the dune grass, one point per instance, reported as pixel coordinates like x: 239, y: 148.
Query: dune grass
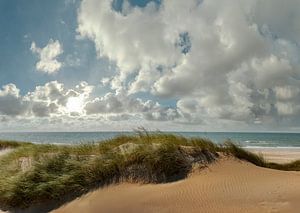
x: 11, y: 144
x: 292, y: 166
x: 258, y: 160
x: 52, y: 171
x: 230, y: 148
x: 35, y: 173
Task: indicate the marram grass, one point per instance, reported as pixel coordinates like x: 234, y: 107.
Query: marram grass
x: 34, y: 173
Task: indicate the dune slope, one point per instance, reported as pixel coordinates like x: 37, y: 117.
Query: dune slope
x: 228, y: 185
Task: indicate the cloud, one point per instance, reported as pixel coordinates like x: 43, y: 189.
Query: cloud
x: 45, y: 101
x: 48, y: 55
x: 55, y: 100
x: 122, y: 104
x: 215, y: 65
x: 11, y: 103
x: 52, y: 98
x: 227, y: 61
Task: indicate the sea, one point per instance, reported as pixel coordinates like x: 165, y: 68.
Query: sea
x: 244, y: 139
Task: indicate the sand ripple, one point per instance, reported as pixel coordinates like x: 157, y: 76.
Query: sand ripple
x: 227, y: 186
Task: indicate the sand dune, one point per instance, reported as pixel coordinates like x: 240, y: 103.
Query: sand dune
x: 227, y: 186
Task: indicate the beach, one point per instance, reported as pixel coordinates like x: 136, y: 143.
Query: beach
x: 228, y: 185
x: 277, y: 155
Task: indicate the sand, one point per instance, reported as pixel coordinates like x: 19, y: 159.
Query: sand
x: 4, y: 151
x: 278, y: 155
x: 228, y: 185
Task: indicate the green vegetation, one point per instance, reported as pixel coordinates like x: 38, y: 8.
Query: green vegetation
x: 11, y: 144
x: 293, y: 166
x: 240, y: 153
x: 34, y: 173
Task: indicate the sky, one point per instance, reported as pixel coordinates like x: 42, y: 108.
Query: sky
x: 115, y: 65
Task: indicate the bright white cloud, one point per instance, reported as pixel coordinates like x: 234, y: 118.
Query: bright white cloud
x: 45, y: 101
x: 233, y: 60
x: 48, y: 55
x: 53, y: 100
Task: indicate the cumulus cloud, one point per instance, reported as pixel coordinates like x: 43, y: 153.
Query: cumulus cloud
x: 232, y: 60
x: 45, y: 101
x: 208, y: 63
x: 48, y: 55
x: 11, y: 103
x: 53, y: 97
x: 54, y: 100
x: 120, y: 104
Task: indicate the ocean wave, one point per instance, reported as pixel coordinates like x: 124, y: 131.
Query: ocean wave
x: 258, y: 142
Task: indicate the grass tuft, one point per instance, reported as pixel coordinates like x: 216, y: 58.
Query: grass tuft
x: 230, y: 148
x: 292, y: 166
x: 258, y: 160
x: 11, y: 144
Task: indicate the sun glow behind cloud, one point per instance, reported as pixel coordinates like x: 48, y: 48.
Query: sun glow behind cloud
x: 75, y: 104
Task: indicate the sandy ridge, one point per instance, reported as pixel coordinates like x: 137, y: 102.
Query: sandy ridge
x: 227, y: 186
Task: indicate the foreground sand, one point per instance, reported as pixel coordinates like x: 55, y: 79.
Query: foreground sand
x: 227, y: 186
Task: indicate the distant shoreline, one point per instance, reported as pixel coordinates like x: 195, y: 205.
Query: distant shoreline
x: 277, y: 154
x: 244, y: 139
